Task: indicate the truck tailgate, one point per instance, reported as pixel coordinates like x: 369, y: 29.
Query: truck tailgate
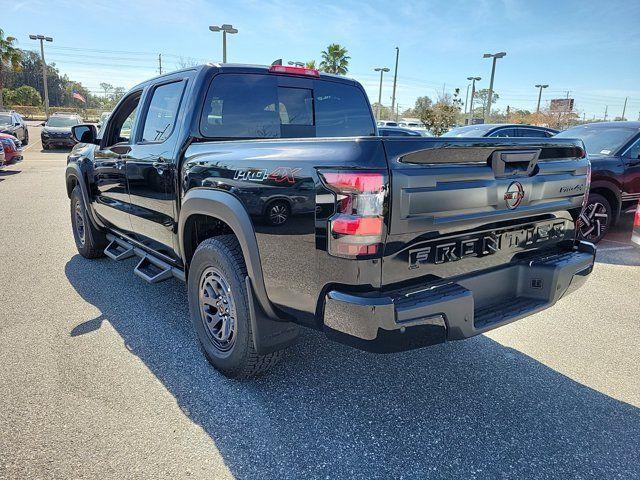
x: 463, y: 205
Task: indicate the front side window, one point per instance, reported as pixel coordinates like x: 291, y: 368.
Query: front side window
x: 122, y: 120
x: 634, y: 151
x: 162, y: 112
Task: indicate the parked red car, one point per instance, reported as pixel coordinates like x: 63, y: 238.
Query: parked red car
x: 12, y: 148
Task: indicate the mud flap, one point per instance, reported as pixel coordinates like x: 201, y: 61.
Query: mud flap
x: 268, y: 335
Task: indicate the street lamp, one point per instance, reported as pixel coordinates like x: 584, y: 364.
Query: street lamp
x: 495, y: 56
x: 43, y: 39
x: 539, y: 86
x: 381, y: 70
x: 224, y: 28
x: 473, y: 94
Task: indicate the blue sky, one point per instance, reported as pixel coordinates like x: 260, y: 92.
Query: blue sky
x: 591, y: 48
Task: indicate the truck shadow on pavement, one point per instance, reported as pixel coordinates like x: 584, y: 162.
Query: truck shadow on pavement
x: 468, y: 409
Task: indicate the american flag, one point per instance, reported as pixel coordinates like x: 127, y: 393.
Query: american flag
x: 76, y: 94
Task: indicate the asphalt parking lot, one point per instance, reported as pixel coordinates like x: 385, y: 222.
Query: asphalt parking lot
x: 101, y: 377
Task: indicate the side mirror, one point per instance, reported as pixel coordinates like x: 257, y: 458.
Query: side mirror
x: 85, y: 133
x: 42, y: 124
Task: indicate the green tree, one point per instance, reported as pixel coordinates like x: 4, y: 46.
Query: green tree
x: 335, y: 60
x: 24, y: 95
x: 481, y: 100
x: 311, y: 64
x: 9, y: 59
x: 107, y: 87
x: 384, y: 113
x: 440, y: 117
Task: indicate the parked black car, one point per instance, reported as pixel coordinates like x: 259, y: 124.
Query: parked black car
x: 392, y: 243
x: 56, y: 132
x: 13, y: 124
x: 397, y: 132
x: 614, y: 151
x: 501, y: 130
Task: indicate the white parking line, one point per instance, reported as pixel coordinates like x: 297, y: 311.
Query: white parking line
x: 613, y: 249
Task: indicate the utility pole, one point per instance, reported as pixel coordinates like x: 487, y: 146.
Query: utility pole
x: 624, y: 109
x: 43, y: 39
x: 540, y: 87
x: 473, y: 94
x: 224, y: 28
x: 381, y: 70
x: 606, y: 109
x: 160, y: 63
x: 495, y: 57
x: 395, y: 79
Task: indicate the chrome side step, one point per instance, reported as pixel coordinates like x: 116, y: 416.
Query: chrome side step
x: 151, y: 269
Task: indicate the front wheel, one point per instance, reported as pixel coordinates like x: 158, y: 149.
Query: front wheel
x: 219, y: 307
x: 277, y: 213
x: 596, y: 218
x: 90, y: 242
x: 25, y: 140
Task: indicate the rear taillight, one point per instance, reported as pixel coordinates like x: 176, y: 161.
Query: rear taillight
x: 357, y: 227
x: 636, y: 222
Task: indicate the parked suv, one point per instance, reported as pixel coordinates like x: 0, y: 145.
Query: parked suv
x: 56, y: 132
x: 614, y: 152
x: 14, y: 124
x: 391, y: 243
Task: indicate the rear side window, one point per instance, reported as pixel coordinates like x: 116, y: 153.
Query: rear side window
x: 533, y: 132
x: 162, y: 113
x: 254, y: 106
x: 241, y: 106
x: 504, y: 132
x: 342, y: 111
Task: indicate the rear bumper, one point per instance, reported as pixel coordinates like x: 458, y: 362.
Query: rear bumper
x: 418, y: 316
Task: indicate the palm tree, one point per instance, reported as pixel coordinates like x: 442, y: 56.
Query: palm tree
x: 9, y: 58
x: 335, y: 59
x: 311, y: 65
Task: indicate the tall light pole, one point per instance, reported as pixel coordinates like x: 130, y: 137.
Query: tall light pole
x: 466, y: 99
x: 540, y: 87
x: 624, y: 109
x: 43, y: 39
x: 473, y: 94
x: 382, y: 70
x: 495, y: 57
x: 224, y: 28
x: 395, y: 79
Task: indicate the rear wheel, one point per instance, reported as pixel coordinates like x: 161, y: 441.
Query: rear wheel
x: 25, y: 140
x: 596, y: 218
x: 90, y: 241
x: 219, y: 307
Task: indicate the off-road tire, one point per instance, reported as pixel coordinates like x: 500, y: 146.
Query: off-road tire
x: 223, y: 253
x: 90, y: 241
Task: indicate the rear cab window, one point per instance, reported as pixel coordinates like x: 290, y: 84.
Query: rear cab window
x: 249, y: 106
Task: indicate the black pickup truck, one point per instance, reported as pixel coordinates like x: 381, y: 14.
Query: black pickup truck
x: 269, y: 192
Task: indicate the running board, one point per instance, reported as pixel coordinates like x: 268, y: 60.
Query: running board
x: 119, y: 250
x: 150, y: 268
